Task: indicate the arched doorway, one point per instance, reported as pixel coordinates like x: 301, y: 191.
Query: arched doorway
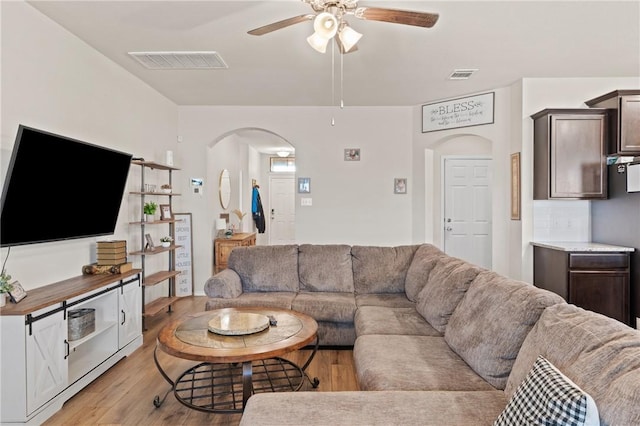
x: 246, y: 153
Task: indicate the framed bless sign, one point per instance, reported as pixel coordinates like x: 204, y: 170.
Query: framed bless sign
x: 455, y: 113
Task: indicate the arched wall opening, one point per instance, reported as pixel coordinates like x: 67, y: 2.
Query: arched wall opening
x: 245, y: 153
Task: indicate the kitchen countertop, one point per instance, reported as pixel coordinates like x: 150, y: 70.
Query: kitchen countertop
x: 577, y: 246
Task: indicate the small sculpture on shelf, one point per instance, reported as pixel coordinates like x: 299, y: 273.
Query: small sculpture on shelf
x: 166, y: 188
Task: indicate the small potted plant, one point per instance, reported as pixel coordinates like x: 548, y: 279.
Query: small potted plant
x: 149, y: 211
x: 166, y: 241
x: 166, y: 188
x: 5, y: 287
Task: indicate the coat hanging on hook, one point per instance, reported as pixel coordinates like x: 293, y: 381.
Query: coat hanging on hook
x: 256, y: 210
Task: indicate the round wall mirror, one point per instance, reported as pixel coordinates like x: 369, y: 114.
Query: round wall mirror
x: 225, y: 188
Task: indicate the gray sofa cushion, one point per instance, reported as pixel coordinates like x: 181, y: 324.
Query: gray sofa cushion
x: 423, y: 262
x: 326, y: 306
x: 396, y: 362
x: 381, y: 408
x: 491, y: 322
x: 600, y: 355
x: 381, y: 269
x: 273, y: 299
x: 224, y: 284
x: 383, y: 320
x: 325, y: 268
x: 390, y: 300
x: 266, y: 268
x: 447, y: 284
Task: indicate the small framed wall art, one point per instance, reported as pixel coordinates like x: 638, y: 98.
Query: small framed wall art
x: 400, y: 185
x: 352, y: 154
x: 515, y: 186
x: 150, y: 245
x: 304, y: 185
x: 165, y: 212
x: 17, y: 293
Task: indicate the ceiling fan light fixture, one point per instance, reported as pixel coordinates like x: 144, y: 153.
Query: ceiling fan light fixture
x: 317, y: 42
x: 348, y: 38
x: 325, y: 25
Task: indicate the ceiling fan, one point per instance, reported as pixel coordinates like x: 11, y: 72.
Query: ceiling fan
x: 329, y: 21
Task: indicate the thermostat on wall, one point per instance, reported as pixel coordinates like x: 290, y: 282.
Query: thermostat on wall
x: 197, y: 185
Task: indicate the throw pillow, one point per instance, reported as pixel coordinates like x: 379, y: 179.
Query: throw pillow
x: 548, y: 397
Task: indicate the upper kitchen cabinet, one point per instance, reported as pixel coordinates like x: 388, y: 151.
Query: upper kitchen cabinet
x: 569, y: 154
x: 624, y: 124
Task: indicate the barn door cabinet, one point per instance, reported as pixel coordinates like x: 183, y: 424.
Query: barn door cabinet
x: 595, y: 280
x: 569, y: 154
x: 44, y: 365
x: 624, y: 120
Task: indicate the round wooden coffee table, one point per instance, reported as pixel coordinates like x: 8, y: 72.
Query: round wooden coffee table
x: 239, y: 355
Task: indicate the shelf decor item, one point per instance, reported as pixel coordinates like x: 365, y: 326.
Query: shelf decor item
x: 17, y: 293
x: 166, y: 188
x: 150, y: 210
x: 81, y: 322
x: 5, y: 287
x: 165, y: 212
x: 166, y: 241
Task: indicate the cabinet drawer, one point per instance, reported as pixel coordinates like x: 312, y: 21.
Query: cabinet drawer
x: 598, y: 261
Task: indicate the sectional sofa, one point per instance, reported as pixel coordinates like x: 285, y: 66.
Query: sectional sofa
x: 436, y: 340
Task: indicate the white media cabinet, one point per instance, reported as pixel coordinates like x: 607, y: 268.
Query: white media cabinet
x: 41, y: 368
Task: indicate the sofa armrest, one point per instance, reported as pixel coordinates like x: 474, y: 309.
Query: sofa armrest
x: 225, y: 284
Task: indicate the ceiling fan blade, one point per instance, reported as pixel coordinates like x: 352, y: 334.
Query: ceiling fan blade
x: 281, y: 24
x: 406, y: 17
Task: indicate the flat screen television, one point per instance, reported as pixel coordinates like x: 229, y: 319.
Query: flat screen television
x: 58, y: 188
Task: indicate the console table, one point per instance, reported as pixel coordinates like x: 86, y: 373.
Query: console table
x: 222, y: 248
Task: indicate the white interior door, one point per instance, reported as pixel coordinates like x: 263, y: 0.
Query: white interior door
x: 467, y: 209
x: 282, y: 216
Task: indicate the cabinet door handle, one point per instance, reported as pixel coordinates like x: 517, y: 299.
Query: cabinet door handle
x: 124, y: 317
x: 67, y: 345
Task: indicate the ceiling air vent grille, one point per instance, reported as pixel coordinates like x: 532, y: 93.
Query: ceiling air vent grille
x: 461, y: 74
x: 179, y: 60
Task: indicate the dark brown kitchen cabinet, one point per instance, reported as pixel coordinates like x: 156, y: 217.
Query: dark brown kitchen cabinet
x: 569, y: 154
x: 624, y: 120
x: 597, y: 281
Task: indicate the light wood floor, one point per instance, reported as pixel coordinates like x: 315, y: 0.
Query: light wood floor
x: 124, y: 394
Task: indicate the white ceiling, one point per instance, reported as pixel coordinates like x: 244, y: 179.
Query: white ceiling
x: 396, y: 65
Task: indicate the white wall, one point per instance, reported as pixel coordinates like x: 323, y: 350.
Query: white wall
x: 493, y: 139
x: 53, y: 81
x: 353, y: 202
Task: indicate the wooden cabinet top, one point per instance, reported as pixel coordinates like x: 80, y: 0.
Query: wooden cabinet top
x: 240, y: 236
x: 610, y: 95
x: 52, y: 294
x: 568, y: 111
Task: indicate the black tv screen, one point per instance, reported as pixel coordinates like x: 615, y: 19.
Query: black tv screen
x: 57, y: 188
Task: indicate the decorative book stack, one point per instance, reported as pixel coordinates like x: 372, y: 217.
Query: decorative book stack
x: 111, y: 258
x: 111, y: 252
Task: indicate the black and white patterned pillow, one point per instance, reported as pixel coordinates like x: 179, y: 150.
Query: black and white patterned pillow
x: 548, y: 397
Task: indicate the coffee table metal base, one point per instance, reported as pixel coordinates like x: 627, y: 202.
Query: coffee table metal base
x: 225, y: 388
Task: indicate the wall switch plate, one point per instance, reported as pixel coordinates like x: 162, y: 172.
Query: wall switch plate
x: 305, y: 202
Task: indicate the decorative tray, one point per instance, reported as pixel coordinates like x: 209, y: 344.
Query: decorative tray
x: 238, y: 323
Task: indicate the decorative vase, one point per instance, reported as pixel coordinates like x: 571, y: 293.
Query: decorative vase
x: 166, y: 243
x: 149, y: 218
x: 3, y: 299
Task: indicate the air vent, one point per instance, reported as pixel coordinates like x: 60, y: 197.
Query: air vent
x: 179, y: 60
x: 461, y: 74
